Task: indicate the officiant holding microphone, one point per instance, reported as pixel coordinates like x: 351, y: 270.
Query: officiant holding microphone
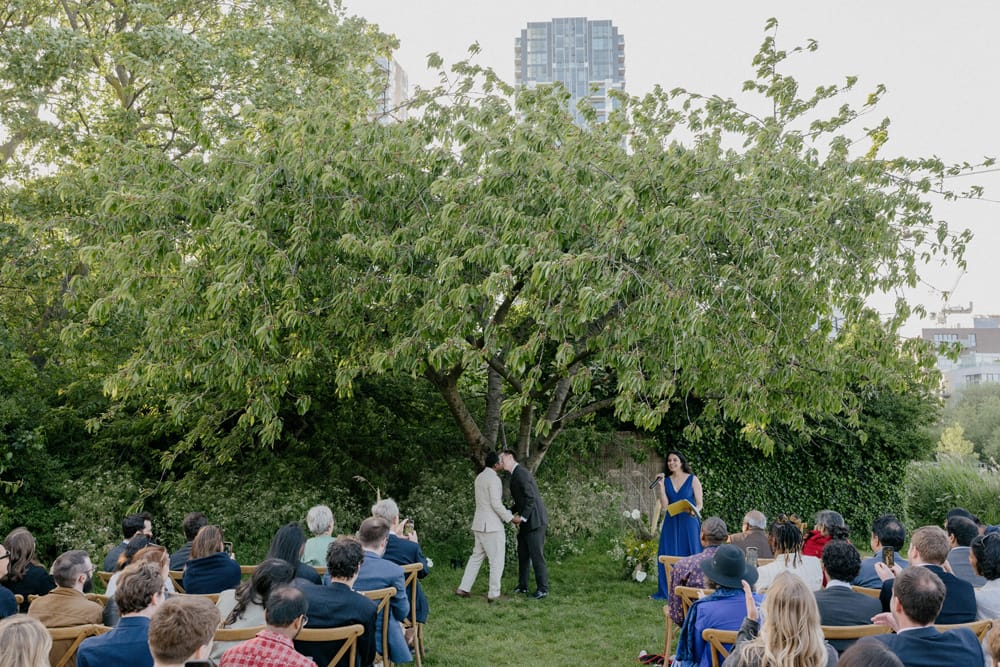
x: 681, y: 533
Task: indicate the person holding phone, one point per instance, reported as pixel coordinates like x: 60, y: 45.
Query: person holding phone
x: 210, y: 569
x: 680, y: 535
x: 887, y: 532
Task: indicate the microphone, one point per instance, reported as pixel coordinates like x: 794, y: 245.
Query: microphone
x: 654, y: 483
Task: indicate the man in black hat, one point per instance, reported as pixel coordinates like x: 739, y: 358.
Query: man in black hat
x: 724, y: 609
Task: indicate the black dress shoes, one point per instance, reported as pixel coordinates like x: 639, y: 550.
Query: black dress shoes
x: 520, y: 590
x: 462, y: 594
x: 538, y: 595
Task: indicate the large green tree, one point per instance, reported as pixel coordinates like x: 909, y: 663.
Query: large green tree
x: 533, y: 271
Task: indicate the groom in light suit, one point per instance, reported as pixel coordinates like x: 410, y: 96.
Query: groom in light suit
x: 487, y: 528
x: 531, y: 519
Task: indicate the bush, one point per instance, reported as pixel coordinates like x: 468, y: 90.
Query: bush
x: 932, y: 488
x: 94, y: 507
x: 579, y: 510
x: 441, y: 505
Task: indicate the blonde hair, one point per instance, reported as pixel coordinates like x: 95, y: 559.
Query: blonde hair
x: 791, y: 635
x: 25, y: 642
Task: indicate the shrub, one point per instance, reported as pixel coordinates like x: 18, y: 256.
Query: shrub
x: 579, y: 510
x: 932, y: 488
x: 95, y: 506
x: 441, y: 505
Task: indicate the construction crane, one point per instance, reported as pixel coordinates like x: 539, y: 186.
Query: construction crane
x: 941, y: 317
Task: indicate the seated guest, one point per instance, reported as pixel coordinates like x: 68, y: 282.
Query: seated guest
x: 985, y: 557
x: 193, y: 522
x: 319, y: 519
x: 687, y: 571
x: 132, y: 524
x: 337, y: 605
x: 66, y: 605
x: 289, y: 544
x: 403, y: 548
x: 869, y: 654
x: 837, y: 603
x: 917, y: 598
x: 829, y: 525
x: 961, y: 532
x: 244, y: 607
x: 929, y: 549
x: 791, y: 633
x: 753, y: 534
x: 25, y: 642
x: 376, y: 572
x: 25, y: 575
x: 993, y: 645
x: 887, y: 531
x: 786, y: 543
x: 180, y: 630
x: 285, y: 611
x: 140, y: 591
x: 210, y: 570
x: 724, y: 609
x: 152, y: 553
x: 8, y: 604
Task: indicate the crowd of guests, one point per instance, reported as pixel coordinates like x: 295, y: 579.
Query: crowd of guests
x: 810, y: 577
x: 152, y: 625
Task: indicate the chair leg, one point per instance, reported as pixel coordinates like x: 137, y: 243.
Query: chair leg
x: 668, y: 633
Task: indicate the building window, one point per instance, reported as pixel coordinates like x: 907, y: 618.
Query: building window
x: 974, y: 379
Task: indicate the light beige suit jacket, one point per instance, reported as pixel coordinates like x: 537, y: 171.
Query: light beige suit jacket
x: 490, y: 513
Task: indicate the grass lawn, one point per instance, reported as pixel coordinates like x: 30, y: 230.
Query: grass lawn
x: 591, y: 617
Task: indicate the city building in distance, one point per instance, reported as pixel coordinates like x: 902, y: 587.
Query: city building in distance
x: 588, y: 57
x: 979, y: 359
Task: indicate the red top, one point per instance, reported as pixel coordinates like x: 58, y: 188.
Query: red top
x: 267, y: 649
x: 815, y: 541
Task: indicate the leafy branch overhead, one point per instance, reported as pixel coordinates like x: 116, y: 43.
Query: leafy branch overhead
x: 535, y: 272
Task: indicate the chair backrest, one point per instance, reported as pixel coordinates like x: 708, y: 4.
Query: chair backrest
x: 348, y: 634
x: 247, y: 570
x: 764, y: 561
x: 99, y: 599
x: 237, y: 634
x: 320, y: 569
x: 870, y: 592
x: 213, y: 597
x: 718, y: 640
x: 688, y: 595
x: 383, y: 596
x: 412, y: 570
x: 105, y: 576
x: 19, y: 599
x: 979, y: 627
x: 75, y: 633
x: 178, y: 578
x: 668, y: 566
x: 849, y: 632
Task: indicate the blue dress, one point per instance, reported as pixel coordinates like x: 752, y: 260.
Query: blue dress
x: 680, y: 535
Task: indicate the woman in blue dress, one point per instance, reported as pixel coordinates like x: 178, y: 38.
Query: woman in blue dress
x: 681, y: 534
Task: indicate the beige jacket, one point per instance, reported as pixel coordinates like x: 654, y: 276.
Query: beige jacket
x: 491, y: 515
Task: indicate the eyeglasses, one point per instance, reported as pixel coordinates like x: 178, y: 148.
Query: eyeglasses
x: 305, y: 620
x: 6, y: 555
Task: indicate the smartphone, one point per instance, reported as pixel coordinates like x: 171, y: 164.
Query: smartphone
x: 407, y: 526
x: 888, y: 556
x: 752, y: 556
x: 228, y: 548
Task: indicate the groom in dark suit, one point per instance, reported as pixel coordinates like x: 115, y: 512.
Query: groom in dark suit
x: 531, y: 519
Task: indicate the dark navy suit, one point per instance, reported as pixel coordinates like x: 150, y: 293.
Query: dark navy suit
x: 376, y: 572
x: 959, y: 598
x: 125, y: 646
x: 335, y: 606
x: 839, y: 605
x: 404, y: 552
x: 927, y: 647
x: 531, y: 531
x: 211, y: 574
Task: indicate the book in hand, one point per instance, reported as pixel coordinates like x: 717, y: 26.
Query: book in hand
x: 673, y: 509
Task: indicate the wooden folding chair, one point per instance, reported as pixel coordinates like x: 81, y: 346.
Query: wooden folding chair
x: 177, y: 576
x: 979, y: 627
x: 348, y: 634
x: 212, y: 597
x: 870, y: 592
x: 668, y: 630
x: 237, y: 634
x: 320, y: 570
x: 75, y: 633
x: 99, y: 599
x: 19, y: 599
x: 105, y: 577
x: 383, y: 596
x: 761, y: 562
x: 412, y: 571
x: 247, y: 570
x: 717, y: 642
x: 853, y: 632
x: 688, y: 595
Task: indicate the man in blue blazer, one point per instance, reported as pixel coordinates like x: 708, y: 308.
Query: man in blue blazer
x: 376, y: 572
x: 139, y: 592
x: 917, y: 597
x: 404, y: 549
x: 887, y: 531
x: 929, y: 548
x: 532, y: 519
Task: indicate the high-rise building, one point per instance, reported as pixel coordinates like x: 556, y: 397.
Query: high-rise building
x: 393, y: 96
x: 588, y: 57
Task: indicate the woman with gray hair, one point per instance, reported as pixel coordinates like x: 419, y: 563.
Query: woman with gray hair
x: 320, y: 521
x: 829, y: 525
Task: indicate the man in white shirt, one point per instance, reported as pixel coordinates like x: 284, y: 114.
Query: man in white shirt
x: 488, y: 530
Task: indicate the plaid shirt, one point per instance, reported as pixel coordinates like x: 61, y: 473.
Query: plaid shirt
x: 687, y: 572
x: 267, y: 649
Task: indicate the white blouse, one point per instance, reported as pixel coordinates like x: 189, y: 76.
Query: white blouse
x: 809, y: 569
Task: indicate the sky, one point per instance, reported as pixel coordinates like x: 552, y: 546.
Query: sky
x: 934, y: 58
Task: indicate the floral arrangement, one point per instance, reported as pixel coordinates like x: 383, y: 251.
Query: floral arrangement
x: 637, y: 549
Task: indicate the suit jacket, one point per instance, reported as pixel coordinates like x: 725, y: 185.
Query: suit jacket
x: 125, y: 646
x: 959, y: 598
x: 839, y: 605
x: 958, y: 558
x: 527, y: 500
x: 179, y: 558
x: 211, y: 574
x: 111, y: 560
x: 335, y: 606
x: 376, y: 572
x: 755, y: 537
x: 490, y: 514
x: 61, y: 608
x: 927, y: 647
x: 404, y: 552
x: 867, y: 576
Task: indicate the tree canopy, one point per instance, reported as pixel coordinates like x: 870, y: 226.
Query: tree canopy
x: 241, y: 214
